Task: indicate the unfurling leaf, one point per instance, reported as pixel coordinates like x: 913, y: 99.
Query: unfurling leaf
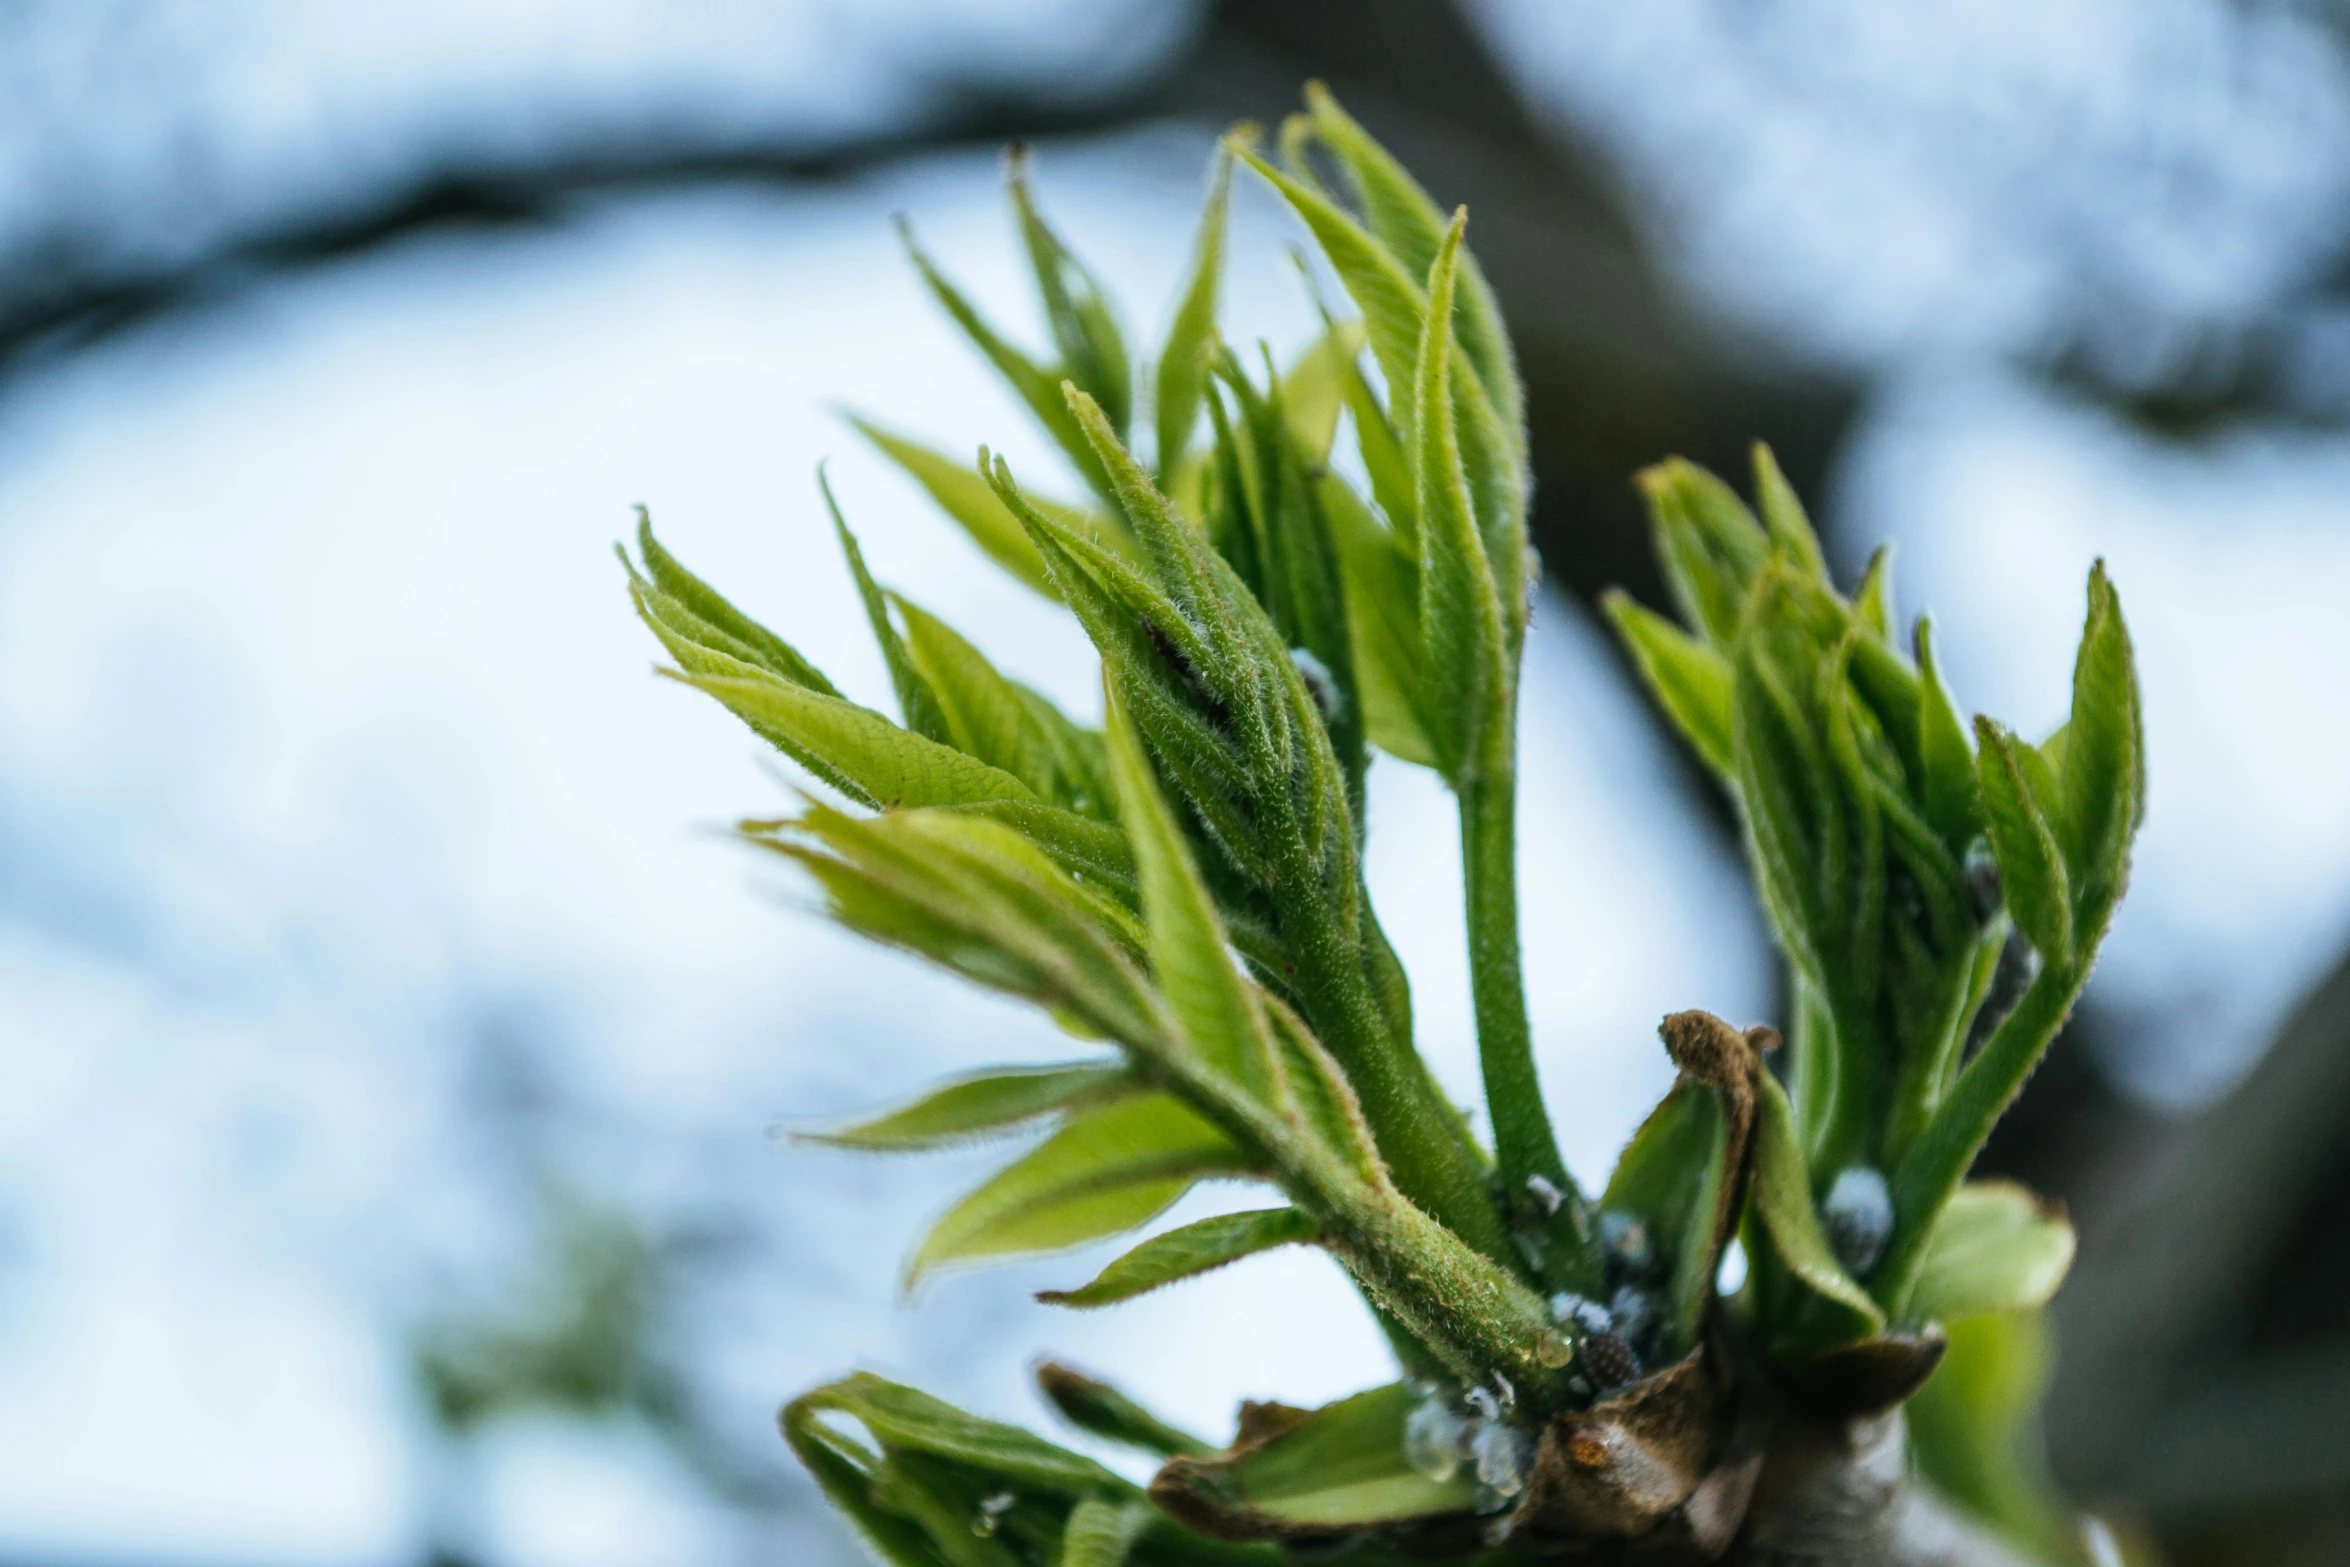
x: 982, y: 1103
x: 1460, y: 613
x: 1191, y: 340
x: 2102, y: 784
x: 1215, y: 1006
x: 2032, y: 873
x: 1085, y: 332
x: 1092, y: 1405
x: 1100, y: 1534
x: 1383, y: 617
x: 1996, y: 1247
x: 881, y: 764
x: 1710, y: 545
x: 1106, y: 1171
x: 964, y: 495
x: 1003, y: 723
x: 1037, y: 386
x: 1782, y: 1195
x: 1678, y: 1177
x: 1689, y: 680
x: 1188, y: 1252
x: 1783, y: 517
x: 1340, y: 1467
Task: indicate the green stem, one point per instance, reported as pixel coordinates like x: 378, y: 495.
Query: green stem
x: 1940, y: 1157
x: 1538, y: 1192
x: 1424, y: 1144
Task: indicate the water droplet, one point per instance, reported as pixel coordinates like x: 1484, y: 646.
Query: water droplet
x: 1435, y: 1440
x: 1552, y: 1349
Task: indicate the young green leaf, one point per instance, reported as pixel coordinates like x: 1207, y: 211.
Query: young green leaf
x: 917, y: 703
x: 1872, y: 601
x: 1191, y: 340
x: 884, y: 765
x: 981, y: 1103
x: 1094, y: 1406
x: 1004, y: 723
x: 1188, y: 1252
x: 1996, y: 1247
x: 2032, y: 872
x: 1100, y: 1534
x: 707, y: 618
x: 1689, y: 680
x: 2102, y: 784
x: 1341, y: 1467
x: 1782, y: 1195
x: 1952, y: 801
x: 1709, y: 544
x: 1459, y: 611
x: 1783, y: 515
x: 1383, y: 289
x: 904, y: 1420
x: 847, y: 1472
x: 1190, y: 958
x: 1412, y: 227
x: 1383, y: 618
x: 1106, y: 1171
x: 963, y: 494
x: 1085, y: 332
x: 1038, y: 387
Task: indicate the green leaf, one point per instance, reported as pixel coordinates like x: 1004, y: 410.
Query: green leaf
x: 846, y: 1471
x: 904, y: 1420
x: 1383, y: 617
x: 1107, y: 1170
x: 1709, y: 544
x: 1689, y: 680
x: 1190, y: 956
x: 1412, y: 227
x: 976, y: 897
x: 708, y: 619
x: 1996, y: 1247
x: 1790, y: 530
x: 1191, y: 340
x: 2032, y: 873
x: 1100, y: 1534
x: 964, y: 495
x: 1038, y: 387
x: 1782, y: 1195
x: 1952, y: 801
x: 1342, y: 1467
x: 884, y: 765
x: 2103, y: 783
x: 1095, y: 1406
x: 1188, y: 1252
x: 1459, y: 611
x: 980, y: 1103
x: 1670, y: 1177
x: 1004, y: 723
x: 1872, y: 602
x: 1313, y: 392
x: 1975, y: 1436
x: 1085, y: 332
x: 917, y: 703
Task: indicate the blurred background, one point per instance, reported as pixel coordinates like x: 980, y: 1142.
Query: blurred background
x: 392, y: 1049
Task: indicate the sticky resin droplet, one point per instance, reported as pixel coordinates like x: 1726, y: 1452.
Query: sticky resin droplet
x: 1435, y: 1440
x: 1546, y: 1195
x: 1858, y: 1216
x: 1551, y: 1348
x: 1504, y: 1454
x: 991, y: 1512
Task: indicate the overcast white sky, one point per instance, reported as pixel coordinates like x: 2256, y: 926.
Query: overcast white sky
x: 328, y: 749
